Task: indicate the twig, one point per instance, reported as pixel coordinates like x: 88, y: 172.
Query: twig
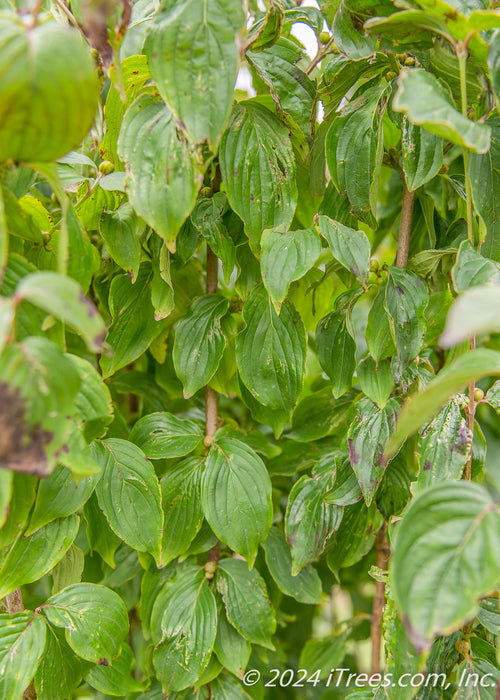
x: 379, y: 600
x: 405, y: 225
x: 319, y: 57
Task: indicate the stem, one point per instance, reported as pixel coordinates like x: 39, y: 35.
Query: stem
x: 471, y: 410
x: 319, y: 57
x: 14, y: 602
x: 379, y: 600
x: 382, y: 544
x: 405, y: 225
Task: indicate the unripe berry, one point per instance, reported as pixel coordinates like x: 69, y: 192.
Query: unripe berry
x: 410, y: 61
x: 206, y: 191
x: 374, y: 265
x: 390, y: 75
x: 324, y: 37
x: 373, y: 278
x: 478, y: 394
x: 106, y: 167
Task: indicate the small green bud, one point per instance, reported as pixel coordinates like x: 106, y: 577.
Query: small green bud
x: 410, y: 61
x: 106, y: 167
x: 206, y: 191
x: 390, y: 75
x: 374, y: 265
x: 324, y: 37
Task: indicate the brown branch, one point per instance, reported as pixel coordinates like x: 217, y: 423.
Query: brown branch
x: 405, y: 225
x: 379, y: 600
x: 14, y: 602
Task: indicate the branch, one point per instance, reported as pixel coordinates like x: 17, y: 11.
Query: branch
x: 405, y: 225
x: 379, y: 600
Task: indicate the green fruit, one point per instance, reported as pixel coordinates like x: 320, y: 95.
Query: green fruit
x: 373, y: 278
x: 206, y: 191
x: 478, y: 394
x: 374, y: 265
x: 390, y: 75
x: 106, y: 167
x: 324, y: 37
x: 410, y: 61
x: 48, y: 90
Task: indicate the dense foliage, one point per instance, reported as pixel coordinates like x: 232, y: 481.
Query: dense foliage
x: 238, y: 338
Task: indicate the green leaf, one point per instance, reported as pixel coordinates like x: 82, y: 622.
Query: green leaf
x: 471, y: 269
x: 6, y: 488
x: 116, y: 679
x: 336, y: 350
x: 162, y: 290
x: 22, y: 641
x: 188, y: 627
x: 289, y: 85
x: 134, y: 326
x: 161, y: 435
x: 94, y: 617
x: 422, y: 407
x: 4, y: 236
x: 121, y: 230
x: 200, y: 342
x: 378, y: 328
x: 183, y: 516
x: 271, y: 351
x: 152, y: 583
x: 435, y: 571
x: 286, y: 257
x: 410, y: 25
x: 348, y: 39
x: 422, y: 155
x: 400, y: 654
x: 245, y: 598
x: 394, y: 492
x: 426, y: 103
x: 375, y: 380
x: 207, y: 218
x: 192, y: 50
x: 406, y: 297
x: 20, y: 504
x: 304, y: 586
x: 484, y: 174
x: 266, y: 30
x: 354, y: 151
x: 475, y: 312
x: 100, y: 537
x: 367, y: 437
x: 232, y: 649
x: 318, y: 415
x: 323, y: 654
x: 355, y: 536
x: 446, y: 444
x: 258, y: 169
x: 46, y: 69
x: 345, y: 490
x: 63, y: 298
x: 309, y: 521
x: 349, y: 247
x: 129, y: 495
x: 60, y: 670
x: 58, y: 496
x: 163, y: 173
x: 236, y: 496
x: 40, y: 385
x: 69, y: 570
x: 93, y: 406
x: 33, y: 556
